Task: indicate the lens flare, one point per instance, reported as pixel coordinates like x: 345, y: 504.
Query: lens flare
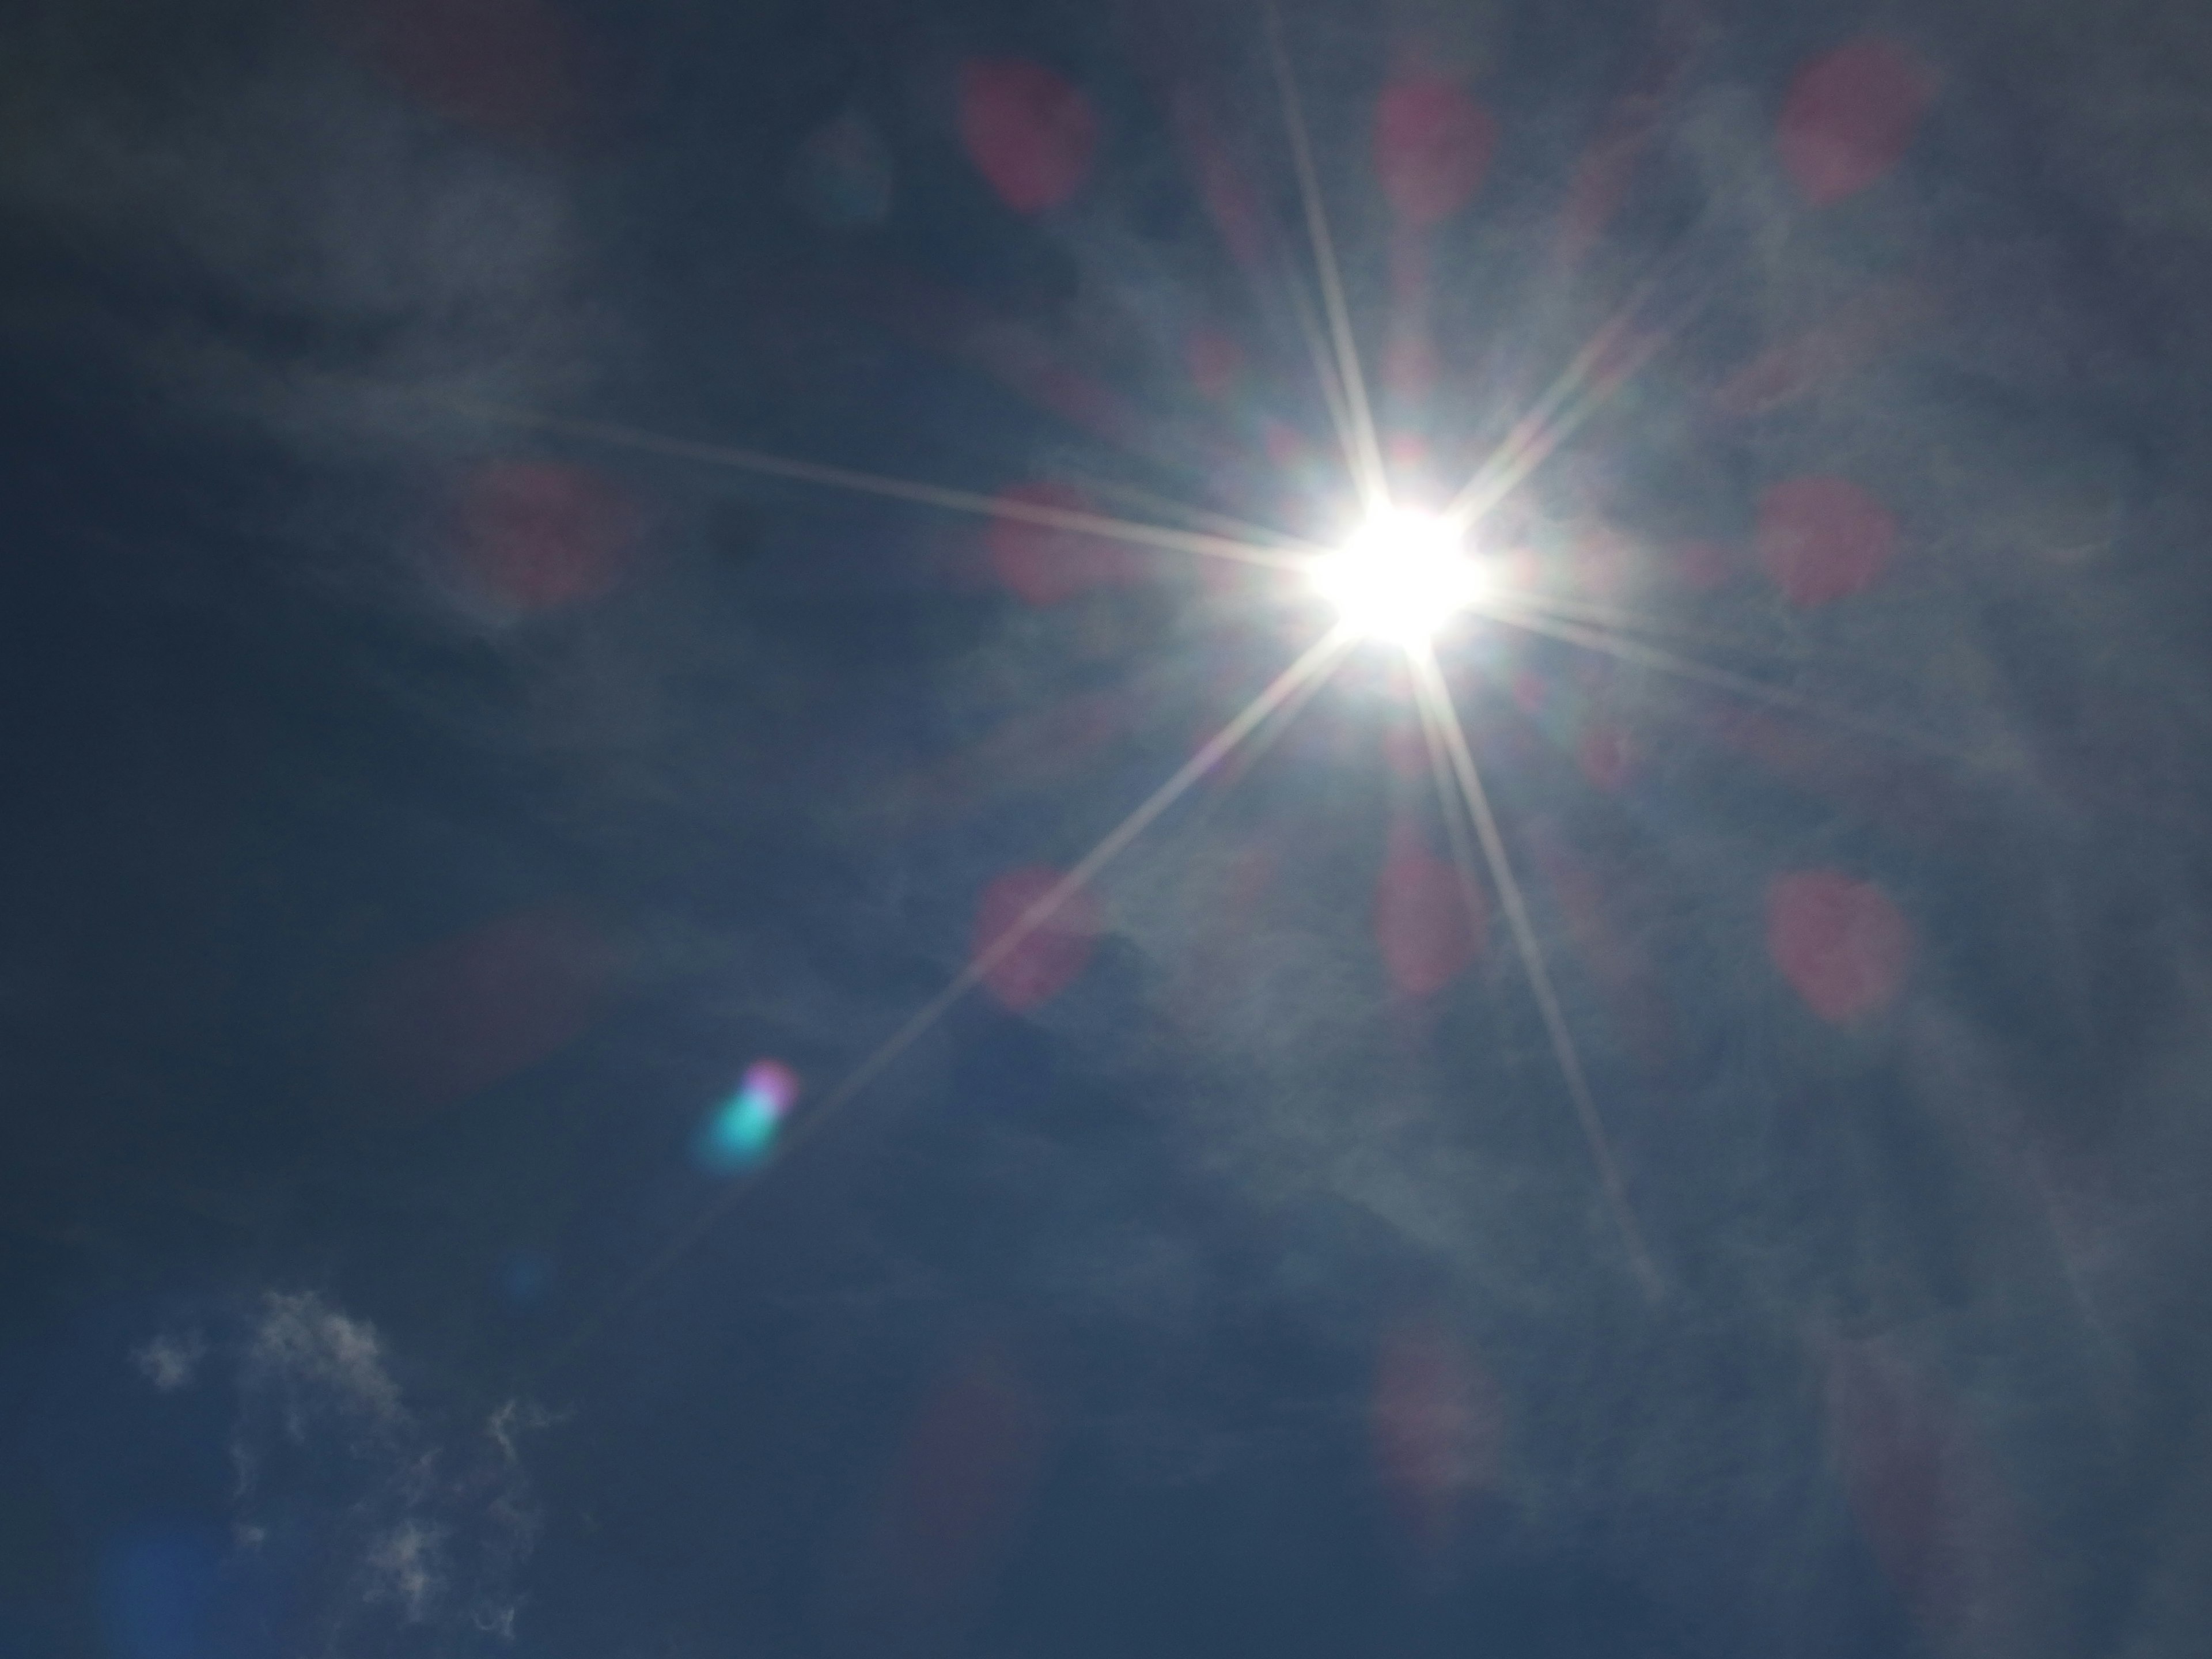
x: 1401, y: 577
x: 742, y: 1132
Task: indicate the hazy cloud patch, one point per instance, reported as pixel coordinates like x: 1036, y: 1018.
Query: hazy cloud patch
x: 369, y: 1510
x: 171, y: 1362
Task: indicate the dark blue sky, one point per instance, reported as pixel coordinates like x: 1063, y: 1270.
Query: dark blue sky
x: 436, y: 788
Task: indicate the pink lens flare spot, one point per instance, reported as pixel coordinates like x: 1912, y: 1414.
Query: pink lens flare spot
x: 1823, y: 538
x: 1410, y: 372
x: 1050, y: 955
x: 775, y: 1085
x: 469, y: 1012
x: 1702, y: 566
x: 742, y: 1132
x: 1928, y: 1496
x: 1606, y: 562
x: 1406, y: 452
x: 1288, y: 449
x: 1603, y: 178
x: 1606, y: 755
x: 1423, y: 925
x: 966, y: 1474
x: 1406, y: 751
x: 1030, y: 133
x: 1857, y: 334
x: 1215, y: 361
x: 1436, y: 1419
x: 1224, y: 187
x: 508, y: 67
x: 1850, y: 118
x: 1433, y: 147
x: 1841, y: 943
x: 1043, y: 564
x: 539, y: 536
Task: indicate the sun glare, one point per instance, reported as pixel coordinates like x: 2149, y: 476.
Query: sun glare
x: 1401, y: 577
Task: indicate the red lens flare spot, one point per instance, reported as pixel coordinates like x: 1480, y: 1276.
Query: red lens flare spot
x: 509, y: 67
x: 1423, y: 927
x: 1702, y: 566
x: 1607, y: 170
x: 1432, y: 148
x: 1406, y: 751
x: 1408, y: 452
x: 1823, y: 538
x: 1410, y: 372
x: 1051, y: 955
x: 467, y: 1013
x: 538, y: 535
x: 1030, y: 132
x: 1041, y: 564
x: 1850, y: 118
x: 1606, y: 562
x: 1606, y: 755
x: 1858, y: 333
x: 1928, y: 1496
x: 1231, y: 201
x: 1287, y: 447
x: 1436, y: 1419
x: 1215, y: 361
x: 966, y: 1474
x: 1841, y: 943
x: 1599, y: 188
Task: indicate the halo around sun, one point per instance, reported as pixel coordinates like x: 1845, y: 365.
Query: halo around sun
x: 1400, y: 576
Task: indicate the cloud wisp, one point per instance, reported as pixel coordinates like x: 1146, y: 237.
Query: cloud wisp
x: 378, y: 1522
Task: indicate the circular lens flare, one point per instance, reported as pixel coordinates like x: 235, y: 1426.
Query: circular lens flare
x: 1401, y: 577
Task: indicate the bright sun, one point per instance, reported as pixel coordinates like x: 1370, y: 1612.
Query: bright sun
x: 1401, y: 577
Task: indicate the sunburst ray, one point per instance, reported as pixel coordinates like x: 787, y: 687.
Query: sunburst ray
x: 1313, y: 665
x: 1287, y: 553
x: 1368, y: 474
x: 1537, y: 434
x: 1640, y: 654
x: 1430, y: 685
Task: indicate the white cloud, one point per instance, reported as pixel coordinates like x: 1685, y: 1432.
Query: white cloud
x: 170, y: 1362
x: 407, y: 1565
x: 515, y: 1417
x: 399, y: 1534
x: 306, y: 1349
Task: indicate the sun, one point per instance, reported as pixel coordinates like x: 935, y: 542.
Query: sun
x: 1400, y: 576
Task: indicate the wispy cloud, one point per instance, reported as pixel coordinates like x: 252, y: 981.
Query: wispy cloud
x: 170, y: 1362
x: 395, y: 1525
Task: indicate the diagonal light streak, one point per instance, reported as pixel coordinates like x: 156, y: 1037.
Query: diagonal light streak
x: 1369, y: 475
x: 1312, y: 665
x: 1429, y: 681
x: 902, y: 490
x: 1317, y: 659
x: 1537, y: 434
x: 1332, y: 386
x: 1449, y: 805
x: 1529, y: 428
x: 1633, y: 624
x: 1529, y: 443
x: 1202, y: 518
x: 1741, y: 686
x: 1278, y: 722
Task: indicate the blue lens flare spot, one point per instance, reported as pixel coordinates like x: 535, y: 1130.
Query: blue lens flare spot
x: 742, y: 1131
x: 157, y: 1590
